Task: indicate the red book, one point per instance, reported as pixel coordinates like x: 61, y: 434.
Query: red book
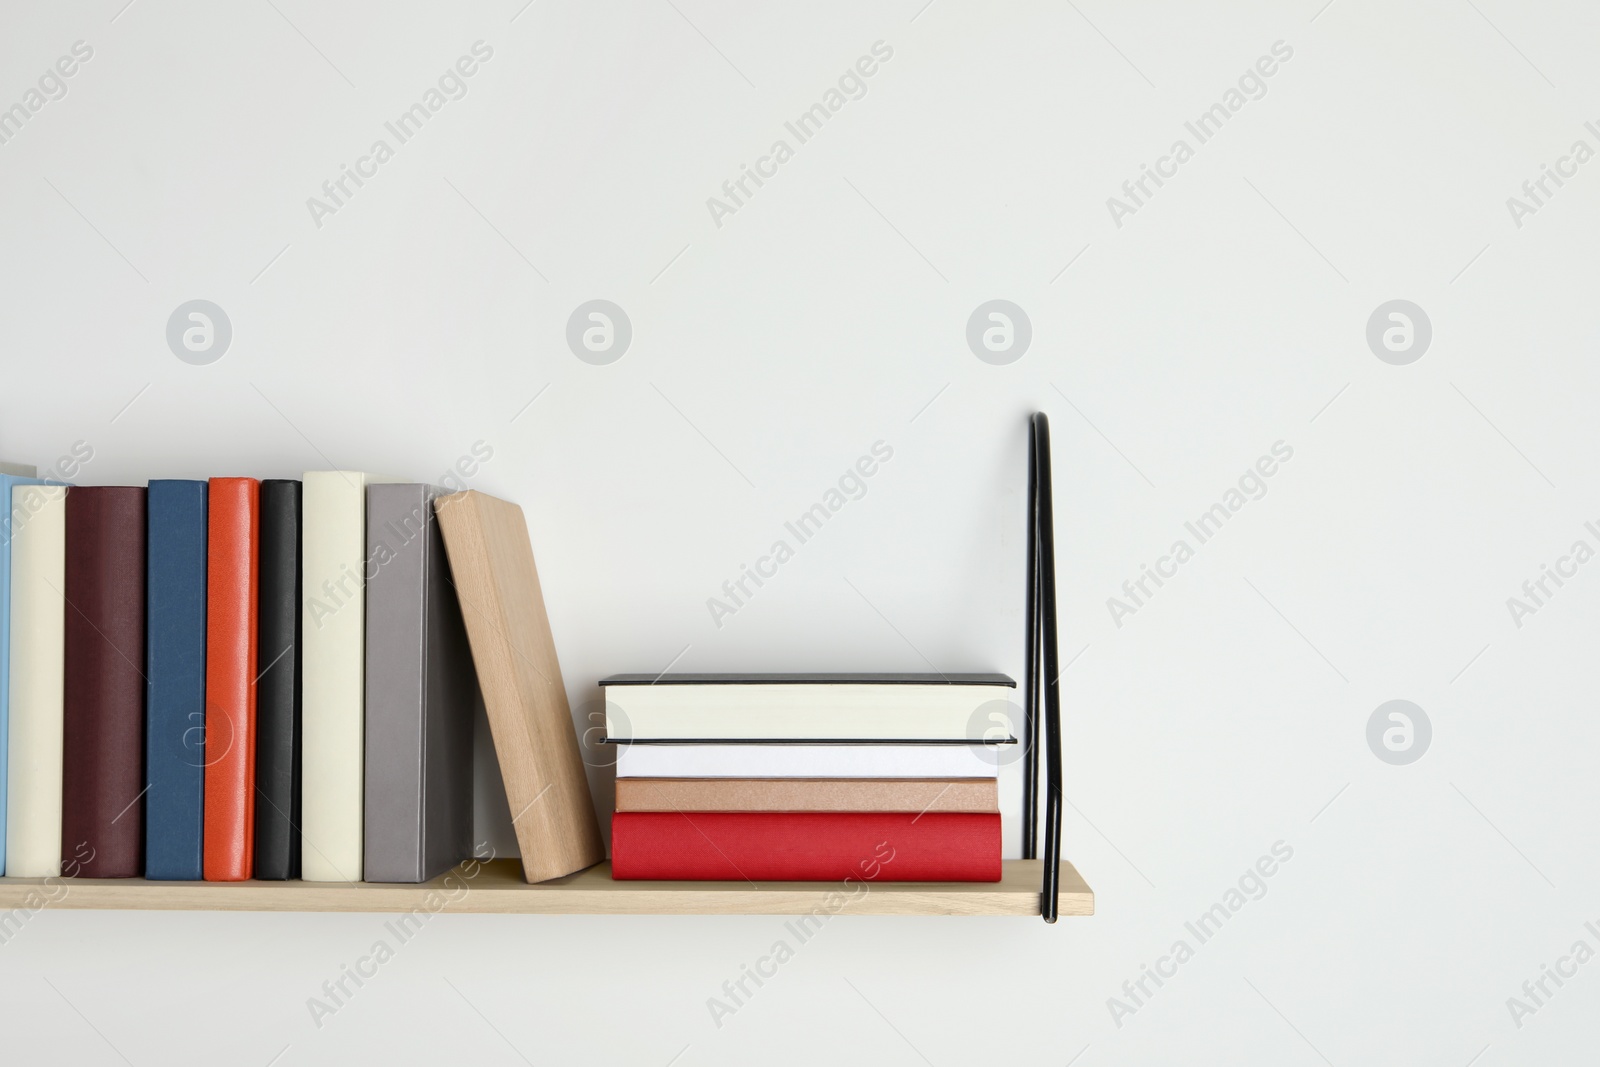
x: 232, y: 578
x: 102, y: 767
x: 812, y: 846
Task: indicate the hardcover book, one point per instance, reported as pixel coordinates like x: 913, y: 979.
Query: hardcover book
x: 232, y: 592
x: 805, y: 761
x: 333, y: 674
x: 38, y: 620
x: 175, y: 680
x: 278, y: 688
x: 11, y: 475
x: 805, y: 846
x: 420, y: 690
x: 808, y: 794
x: 853, y: 707
x: 102, y: 767
x: 491, y: 562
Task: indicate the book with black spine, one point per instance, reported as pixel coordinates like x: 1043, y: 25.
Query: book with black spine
x: 278, y: 733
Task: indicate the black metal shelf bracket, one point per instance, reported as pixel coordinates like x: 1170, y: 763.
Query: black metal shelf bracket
x: 1042, y: 676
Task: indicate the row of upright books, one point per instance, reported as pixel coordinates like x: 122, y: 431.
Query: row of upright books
x: 232, y: 679
x: 849, y: 778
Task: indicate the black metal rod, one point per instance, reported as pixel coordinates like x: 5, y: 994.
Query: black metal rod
x: 1050, y: 891
x: 1030, y: 668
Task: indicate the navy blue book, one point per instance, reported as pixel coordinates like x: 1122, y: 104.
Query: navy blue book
x: 175, y: 672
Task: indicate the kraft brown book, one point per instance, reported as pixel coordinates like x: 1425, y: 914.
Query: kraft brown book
x: 491, y: 566
x: 808, y: 794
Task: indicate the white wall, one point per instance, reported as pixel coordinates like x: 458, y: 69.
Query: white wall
x: 1227, y: 313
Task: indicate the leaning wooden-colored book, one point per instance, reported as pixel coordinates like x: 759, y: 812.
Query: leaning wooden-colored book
x: 491, y: 565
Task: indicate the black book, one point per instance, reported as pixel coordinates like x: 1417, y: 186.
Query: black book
x: 278, y: 686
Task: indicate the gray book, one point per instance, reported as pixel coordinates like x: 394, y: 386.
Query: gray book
x: 420, y: 688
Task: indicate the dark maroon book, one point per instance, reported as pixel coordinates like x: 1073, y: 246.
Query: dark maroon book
x: 102, y: 813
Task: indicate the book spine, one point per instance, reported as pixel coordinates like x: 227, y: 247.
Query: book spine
x: 278, y: 710
x: 175, y: 676
x: 333, y: 668
x: 7, y: 483
x: 102, y: 787
x: 806, y: 761
x: 450, y: 699
x: 492, y: 569
x: 232, y: 594
x: 806, y: 846
x: 38, y: 615
x: 860, y: 711
x: 808, y: 794
x: 395, y: 657
x: 419, y: 695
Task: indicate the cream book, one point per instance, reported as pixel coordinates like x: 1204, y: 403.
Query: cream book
x: 333, y: 671
x: 917, y: 795
x: 38, y: 619
x: 799, y: 707
x: 801, y: 760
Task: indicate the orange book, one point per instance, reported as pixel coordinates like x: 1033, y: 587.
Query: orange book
x: 232, y: 581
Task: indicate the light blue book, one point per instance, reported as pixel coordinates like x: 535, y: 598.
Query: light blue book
x: 11, y: 474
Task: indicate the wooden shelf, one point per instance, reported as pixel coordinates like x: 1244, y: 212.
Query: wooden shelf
x: 497, y: 888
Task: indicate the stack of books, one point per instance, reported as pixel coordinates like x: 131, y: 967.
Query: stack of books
x: 231, y: 679
x: 806, y: 777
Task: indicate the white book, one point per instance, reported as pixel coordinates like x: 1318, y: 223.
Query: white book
x: 38, y: 619
x: 807, y: 761
x: 333, y: 671
x: 842, y: 707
